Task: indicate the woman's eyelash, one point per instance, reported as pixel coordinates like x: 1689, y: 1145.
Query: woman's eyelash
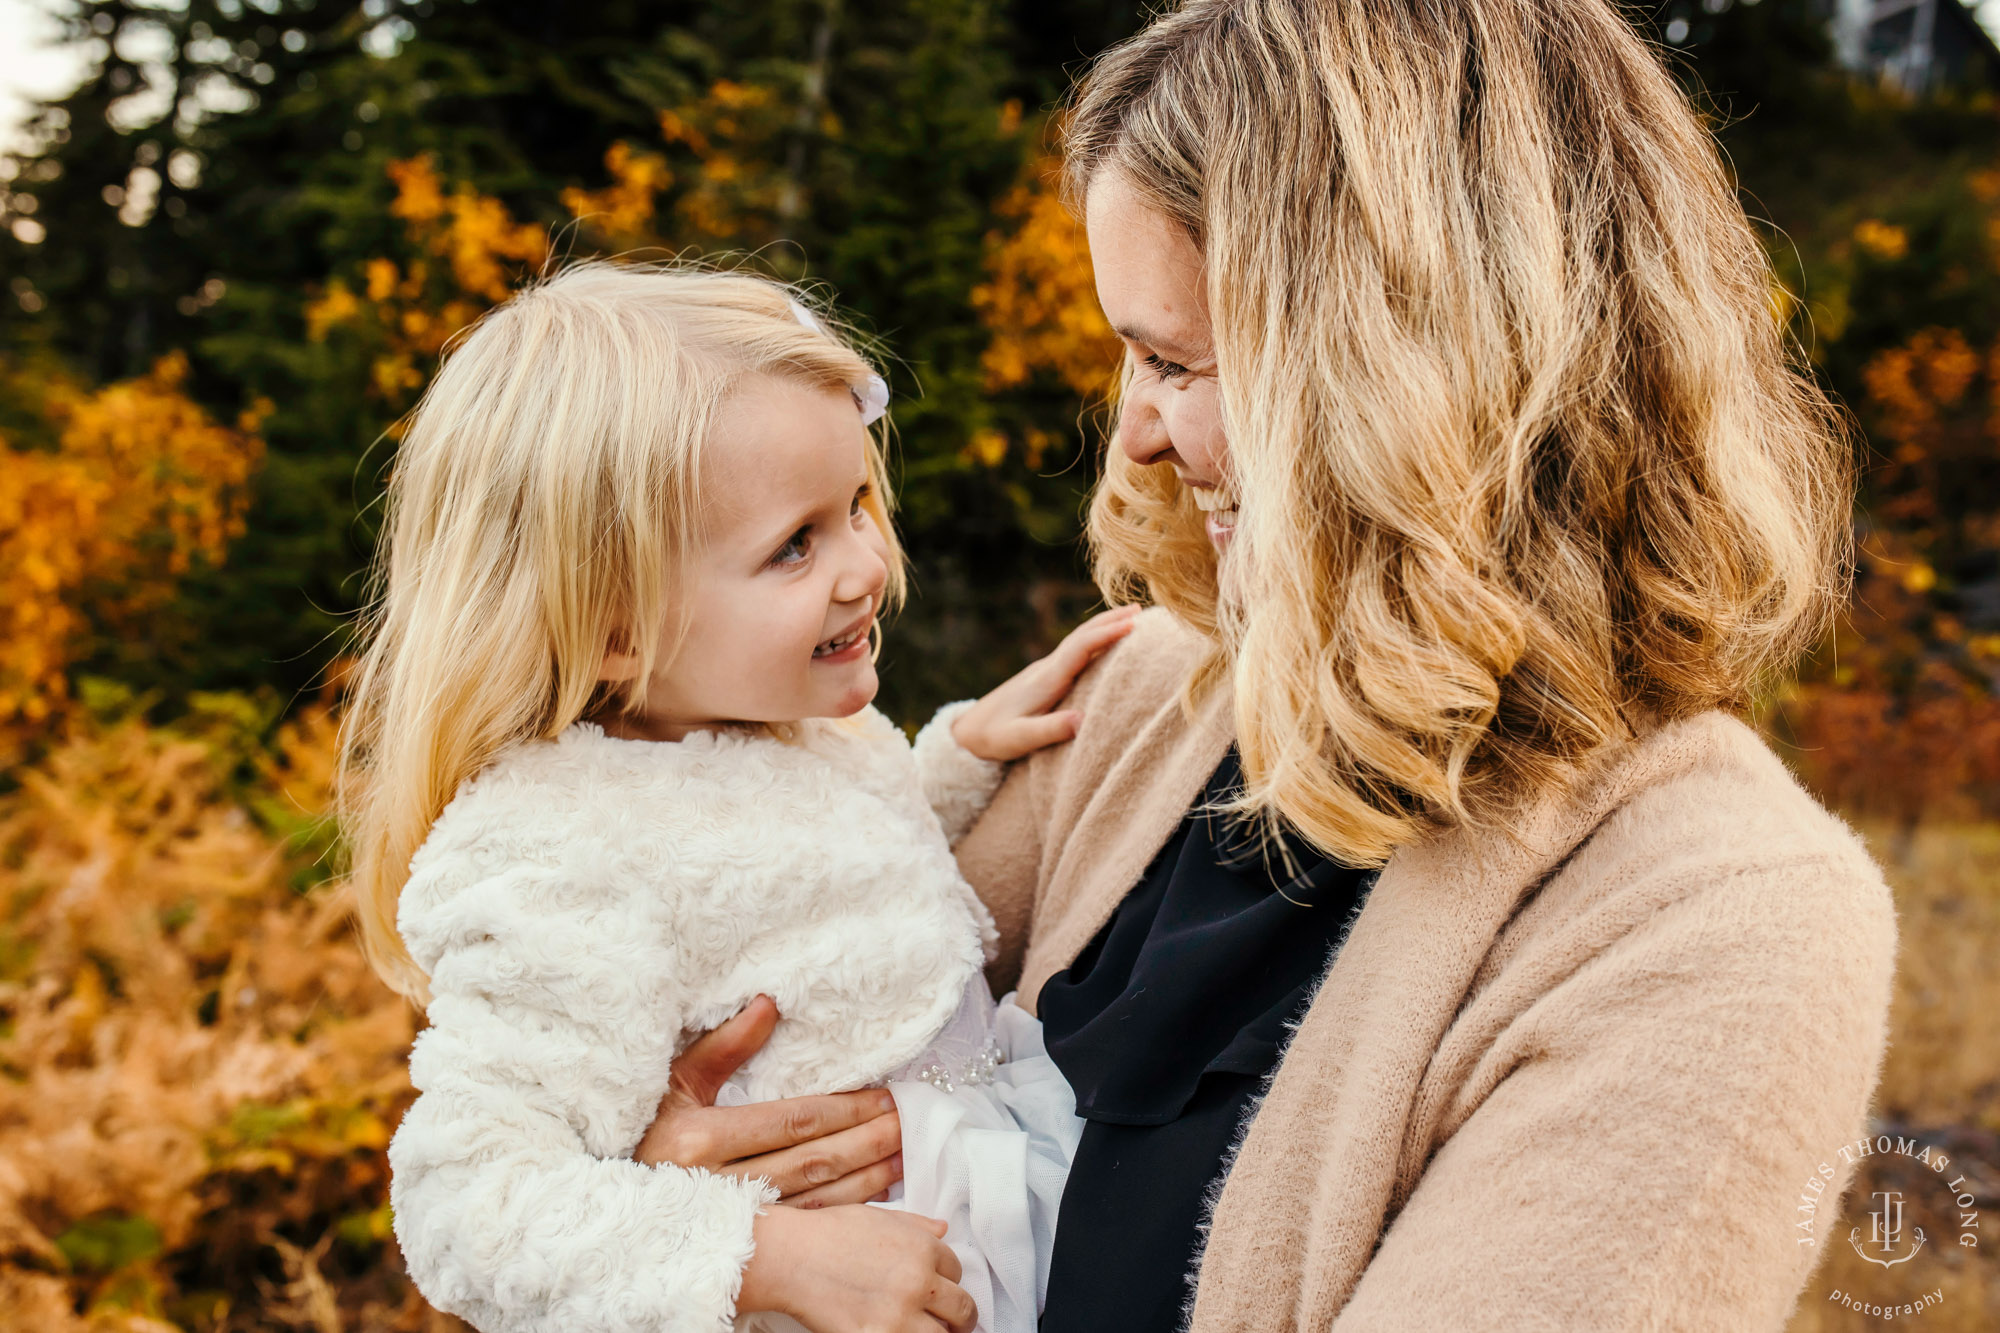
x: 1164, y: 368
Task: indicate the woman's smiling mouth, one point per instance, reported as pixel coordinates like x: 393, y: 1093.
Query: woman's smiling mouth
x: 1218, y: 504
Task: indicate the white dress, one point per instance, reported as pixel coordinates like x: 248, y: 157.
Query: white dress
x: 585, y: 906
x: 989, y: 1131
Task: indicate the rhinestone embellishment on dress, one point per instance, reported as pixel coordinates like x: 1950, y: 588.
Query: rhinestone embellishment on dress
x: 976, y: 1071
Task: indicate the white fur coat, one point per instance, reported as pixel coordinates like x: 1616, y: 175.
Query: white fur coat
x: 583, y: 907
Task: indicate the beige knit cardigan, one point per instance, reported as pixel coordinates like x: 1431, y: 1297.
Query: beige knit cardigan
x: 1573, y: 1074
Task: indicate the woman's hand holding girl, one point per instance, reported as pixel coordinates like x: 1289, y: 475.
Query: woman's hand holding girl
x: 817, y: 1151
x: 835, y: 1267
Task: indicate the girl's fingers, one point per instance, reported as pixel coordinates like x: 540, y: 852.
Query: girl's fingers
x: 1025, y: 735
x: 1087, y: 643
x: 1044, y: 684
x: 1096, y: 634
x: 1125, y: 612
x: 822, y: 1161
x: 1028, y: 734
x: 867, y: 1185
x: 1014, y: 719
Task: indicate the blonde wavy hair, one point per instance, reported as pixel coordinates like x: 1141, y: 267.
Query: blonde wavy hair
x: 544, y: 500
x: 1525, y: 462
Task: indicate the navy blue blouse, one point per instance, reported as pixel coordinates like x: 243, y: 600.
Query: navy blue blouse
x: 1166, y: 1026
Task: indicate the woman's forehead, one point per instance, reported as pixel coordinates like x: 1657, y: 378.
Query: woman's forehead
x: 1148, y: 270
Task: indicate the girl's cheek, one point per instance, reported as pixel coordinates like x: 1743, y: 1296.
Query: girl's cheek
x: 804, y: 614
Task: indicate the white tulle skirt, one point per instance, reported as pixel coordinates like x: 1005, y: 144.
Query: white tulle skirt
x: 989, y: 1131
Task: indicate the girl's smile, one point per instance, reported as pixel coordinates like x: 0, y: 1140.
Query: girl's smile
x: 848, y: 646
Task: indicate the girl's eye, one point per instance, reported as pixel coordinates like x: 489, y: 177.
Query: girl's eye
x: 1164, y: 368
x: 795, y: 549
x: 854, y: 510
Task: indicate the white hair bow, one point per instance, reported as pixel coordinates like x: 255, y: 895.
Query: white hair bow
x: 873, y: 396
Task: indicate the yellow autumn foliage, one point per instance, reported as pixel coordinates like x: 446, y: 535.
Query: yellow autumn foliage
x: 740, y: 188
x: 1881, y: 239
x: 465, y: 254
x: 1915, y: 382
x: 475, y: 233
x: 624, y: 209
x: 1039, y: 301
x: 142, y: 485
x: 201, y: 1071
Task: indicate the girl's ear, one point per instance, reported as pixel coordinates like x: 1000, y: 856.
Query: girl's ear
x: 620, y: 662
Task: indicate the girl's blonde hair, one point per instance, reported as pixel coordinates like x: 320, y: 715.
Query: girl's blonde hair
x: 1524, y: 457
x: 544, y: 501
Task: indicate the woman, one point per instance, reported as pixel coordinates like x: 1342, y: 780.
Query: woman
x: 1475, y: 486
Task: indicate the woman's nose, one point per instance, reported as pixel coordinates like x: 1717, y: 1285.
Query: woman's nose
x: 1142, y: 432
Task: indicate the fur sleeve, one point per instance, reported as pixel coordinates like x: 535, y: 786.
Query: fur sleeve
x: 958, y: 784
x: 516, y: 1201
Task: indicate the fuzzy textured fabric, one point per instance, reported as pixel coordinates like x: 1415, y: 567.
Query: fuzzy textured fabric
x: 1568, y: 1074
x: 583, y: 907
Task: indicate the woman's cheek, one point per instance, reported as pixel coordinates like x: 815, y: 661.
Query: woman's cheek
x: 1197, y: 428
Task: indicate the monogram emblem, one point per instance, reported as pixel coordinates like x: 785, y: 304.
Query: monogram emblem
x: 1885, y: 1232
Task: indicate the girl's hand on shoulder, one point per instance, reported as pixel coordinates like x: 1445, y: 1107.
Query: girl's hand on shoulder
x: 856, y: 1269
x: 1014, y: 718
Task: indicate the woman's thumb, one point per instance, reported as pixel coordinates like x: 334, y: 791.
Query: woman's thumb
x: 702, y: 1069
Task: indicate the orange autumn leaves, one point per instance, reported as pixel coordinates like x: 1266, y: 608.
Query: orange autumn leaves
x: 1039, y: 301
x: 197, y: 1056
x: 141, y: 485
x: 1039, y: 306
x: 1899, y: 715
x: 1935, y: 393
x: 464, y: 252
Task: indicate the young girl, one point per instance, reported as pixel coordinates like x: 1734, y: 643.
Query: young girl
x: 614, y: 774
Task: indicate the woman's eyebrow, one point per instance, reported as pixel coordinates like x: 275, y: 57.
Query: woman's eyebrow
x: 1167, y: 346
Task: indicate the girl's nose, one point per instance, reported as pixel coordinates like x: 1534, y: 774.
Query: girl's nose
x: 864, y: 573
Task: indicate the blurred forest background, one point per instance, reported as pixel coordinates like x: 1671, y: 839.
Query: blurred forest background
x: 230, y: 258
